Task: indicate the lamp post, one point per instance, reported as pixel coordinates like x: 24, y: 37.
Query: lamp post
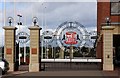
x: 35, y: 20
x: 108, y: 20
x: 10, y: 20
x: 19, y: 23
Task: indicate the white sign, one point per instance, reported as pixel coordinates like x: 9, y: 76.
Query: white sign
x: 22, y: 37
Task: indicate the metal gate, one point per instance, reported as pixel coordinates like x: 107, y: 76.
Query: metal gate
x: 70, y: 47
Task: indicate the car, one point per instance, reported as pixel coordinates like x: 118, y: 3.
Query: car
x: 4, y: 66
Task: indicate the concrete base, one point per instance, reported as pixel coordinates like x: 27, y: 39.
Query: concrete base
x: 11, y: 67
x: 34, y: 67
x: 108, y: 67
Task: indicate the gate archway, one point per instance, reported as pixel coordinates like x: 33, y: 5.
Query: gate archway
x: 81, y: 36
x: 72, y: 44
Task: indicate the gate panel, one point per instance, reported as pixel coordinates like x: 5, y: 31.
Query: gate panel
x: 70, y: 65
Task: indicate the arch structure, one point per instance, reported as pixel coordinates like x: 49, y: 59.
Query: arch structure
x: 78, y: 29
x: 67, y: 34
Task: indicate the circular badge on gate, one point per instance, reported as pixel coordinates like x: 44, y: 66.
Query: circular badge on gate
x: 22, y: 37
x: 47, y: 36
x: 71, y: 33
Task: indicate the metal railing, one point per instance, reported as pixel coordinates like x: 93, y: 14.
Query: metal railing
x: 72, y: 60
x: 70, y: 64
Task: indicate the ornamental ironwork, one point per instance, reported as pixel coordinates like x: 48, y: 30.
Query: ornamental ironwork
x: 47, y: 37
x: 22, y: 37
x: 71, y: 33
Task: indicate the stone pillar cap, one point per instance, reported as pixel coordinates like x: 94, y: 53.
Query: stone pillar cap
x: 108, y: 27
x: 9, y: 28
x: 36, y: 27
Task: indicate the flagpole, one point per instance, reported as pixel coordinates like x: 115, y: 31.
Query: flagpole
x: 4, y: 12
x: 14, y: 12
x: 4, y: 15
x: 42, y: 36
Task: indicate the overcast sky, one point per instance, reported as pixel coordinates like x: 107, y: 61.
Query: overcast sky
x: 50, y: 14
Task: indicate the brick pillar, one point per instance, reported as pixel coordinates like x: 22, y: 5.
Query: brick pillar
x: 34, y: 48
x: 108, y: 48
x: 9, y: 47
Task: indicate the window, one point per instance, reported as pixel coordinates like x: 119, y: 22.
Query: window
x: 115, y: 8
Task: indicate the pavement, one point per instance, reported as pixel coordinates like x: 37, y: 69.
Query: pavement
x: 80, y: 74
x: 23, y: 73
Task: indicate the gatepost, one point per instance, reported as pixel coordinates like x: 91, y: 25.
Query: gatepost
x: 9, y: 47
x: 34, y: 48
x: 108, y: 48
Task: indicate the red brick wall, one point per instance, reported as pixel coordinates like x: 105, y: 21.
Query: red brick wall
x: 115, y: 18
x: 103, y: 10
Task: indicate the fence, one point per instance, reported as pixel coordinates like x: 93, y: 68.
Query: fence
x: 70, y: 64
